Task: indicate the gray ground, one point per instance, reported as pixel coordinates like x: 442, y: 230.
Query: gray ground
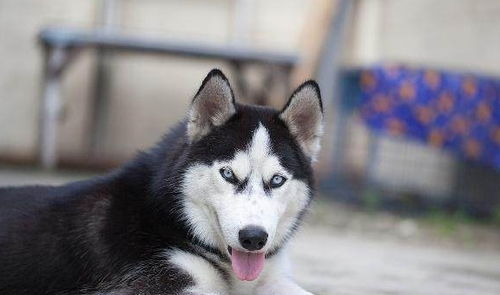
x: 332, y: 262
x: 344, y: 251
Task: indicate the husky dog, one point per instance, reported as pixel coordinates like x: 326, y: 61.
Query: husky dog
x: 208, y: 210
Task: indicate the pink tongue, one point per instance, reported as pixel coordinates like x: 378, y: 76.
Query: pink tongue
x: 247, y: 266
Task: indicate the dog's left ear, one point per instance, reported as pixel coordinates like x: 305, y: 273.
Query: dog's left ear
x: 212, y: 105
x: 303, y: 114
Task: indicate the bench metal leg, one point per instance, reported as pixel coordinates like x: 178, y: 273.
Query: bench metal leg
x: 100, y: 100
x: 51, y: 105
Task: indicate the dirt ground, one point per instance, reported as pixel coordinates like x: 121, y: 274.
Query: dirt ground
x: 344, y: 251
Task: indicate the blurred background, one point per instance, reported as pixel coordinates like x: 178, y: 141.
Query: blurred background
x: 409, y: 176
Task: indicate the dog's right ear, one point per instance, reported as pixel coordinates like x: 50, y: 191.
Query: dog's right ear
x: 212, y: 105
x: 303, y: 114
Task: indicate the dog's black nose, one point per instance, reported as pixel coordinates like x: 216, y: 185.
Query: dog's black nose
x: 253, y: 237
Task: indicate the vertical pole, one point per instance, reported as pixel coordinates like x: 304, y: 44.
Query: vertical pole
x: 103, y: 71
x: 51, y: 106
x: 328, y: 75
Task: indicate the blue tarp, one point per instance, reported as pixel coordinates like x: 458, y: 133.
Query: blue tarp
x: 458, y: 112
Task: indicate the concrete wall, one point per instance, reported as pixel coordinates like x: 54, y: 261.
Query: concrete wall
x: 450, y: 34
x: 20, y: 64
x: 148, y: 93
x: 461, y: 35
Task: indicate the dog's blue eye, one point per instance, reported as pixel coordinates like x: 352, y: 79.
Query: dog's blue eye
x: 228, y: 174
x: 277, y: 181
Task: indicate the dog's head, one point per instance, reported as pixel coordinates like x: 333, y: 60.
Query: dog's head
x: 249, y: 177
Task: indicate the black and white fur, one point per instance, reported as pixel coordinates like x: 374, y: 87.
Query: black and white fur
x: 163, y: 223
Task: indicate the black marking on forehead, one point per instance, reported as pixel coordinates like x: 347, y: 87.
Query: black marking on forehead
x: 286, y: 148
x: 223, y: 142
